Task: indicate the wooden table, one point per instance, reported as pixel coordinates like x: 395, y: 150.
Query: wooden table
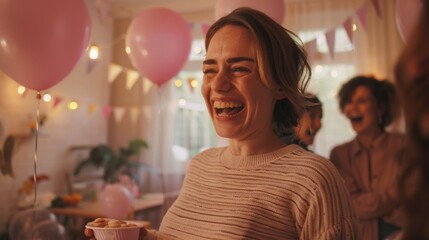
x: 92, y: 210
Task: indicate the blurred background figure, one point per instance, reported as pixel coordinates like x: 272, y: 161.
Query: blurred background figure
x: 309, y: 123
x: 412, y: 75
x: 370, y: 162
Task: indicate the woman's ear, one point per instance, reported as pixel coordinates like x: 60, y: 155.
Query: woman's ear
x: 280, y: 93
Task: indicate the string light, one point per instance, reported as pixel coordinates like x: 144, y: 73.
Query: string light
x: 318, y: 68
x: 354, y: 27
x: 194, y: 83
x: 198, y: 50
x: 178, y: 83
x: 94, y: 51
x: 182, y: 102
x: 21, y: 90
x: 334, y: 73
x: 72, y: 105
x: 47, y: 97
x: 127, y: 50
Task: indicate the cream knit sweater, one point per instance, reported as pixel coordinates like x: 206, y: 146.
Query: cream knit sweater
x: 286, y: 194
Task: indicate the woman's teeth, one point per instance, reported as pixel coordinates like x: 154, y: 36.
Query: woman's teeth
x: 227, y: 108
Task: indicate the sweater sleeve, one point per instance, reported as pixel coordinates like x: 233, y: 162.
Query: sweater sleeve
x: 330, y: 213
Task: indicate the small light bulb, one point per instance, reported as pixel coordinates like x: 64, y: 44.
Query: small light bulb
x: 72, y: 105
x: 194, y: 83
x: 178, y: 83
x: 354, y: 27
x: 127, y: 50
x: 182, y: 102
x: 21, y: 90
x: 47, y: 97
x: 94, y: 52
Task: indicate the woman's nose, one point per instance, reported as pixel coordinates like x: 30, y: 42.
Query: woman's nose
x: 221, y: 82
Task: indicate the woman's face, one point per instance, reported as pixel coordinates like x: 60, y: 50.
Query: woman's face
x: 362, y: 111
x: 240, y: 106
x: 309, y: 124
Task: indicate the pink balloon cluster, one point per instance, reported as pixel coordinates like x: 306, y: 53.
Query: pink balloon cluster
x: 159, y: 41
x: 41, y: 41
x: 273, y: 8
x: 116, y: 201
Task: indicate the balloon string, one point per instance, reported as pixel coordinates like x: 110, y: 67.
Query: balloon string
x: 161, y: 164
x: 38, y: 97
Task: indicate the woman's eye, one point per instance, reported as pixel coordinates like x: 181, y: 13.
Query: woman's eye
x: 208, y: 71
x: 240, y: 70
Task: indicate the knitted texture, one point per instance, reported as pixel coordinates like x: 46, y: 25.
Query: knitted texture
x: 286, y: 194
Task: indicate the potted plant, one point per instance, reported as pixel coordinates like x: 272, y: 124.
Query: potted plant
x: 114, y: 163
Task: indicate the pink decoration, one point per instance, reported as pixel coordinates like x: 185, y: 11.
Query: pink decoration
x: 41, y: 41
x: 311, y: 48
x: 107, y: 110
x: 361, y: 13
x: 376, y: 4
x: 205, y: 27
x: 56, y: 101
x: 273, y: 8
x: 348, y: 27
x: 116, y: 201
x: 407, y: 14
x: 330, y: 40
x: 160, y: 41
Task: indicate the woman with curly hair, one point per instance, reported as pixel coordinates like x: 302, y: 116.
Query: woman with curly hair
x: 370, y: 162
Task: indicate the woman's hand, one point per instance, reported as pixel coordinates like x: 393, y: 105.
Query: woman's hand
x: 90, y: 234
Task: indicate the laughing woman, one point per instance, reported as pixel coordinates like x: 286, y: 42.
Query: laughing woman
x: 257, y: 187
x: 369, y: 163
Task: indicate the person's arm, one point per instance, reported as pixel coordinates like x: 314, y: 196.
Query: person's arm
x: 367, y: 205
x: 330, y: 214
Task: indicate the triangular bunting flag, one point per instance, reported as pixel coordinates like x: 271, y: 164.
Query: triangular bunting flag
x: 134, y: 114
x: 311, y: 48
x: 376, y: 4
x: 103, y: 9
x: 330, y: 40
x: 147, y: 85
x: 106, y: 112
x: 56, y: 101
x: 205, y: 27
x: 91, y: 108
x: 132, y: 77
x: 114, y: 71
x: 361, y: 13
x: 118, y: 113
x: 348, y: 27
x: 90, y: 65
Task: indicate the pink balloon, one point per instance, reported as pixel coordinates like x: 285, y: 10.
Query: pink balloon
x: 116, y: 201
x: 41, y: 41
x: 159, y: 41
x: 407, y: 14
x: 273, y: 8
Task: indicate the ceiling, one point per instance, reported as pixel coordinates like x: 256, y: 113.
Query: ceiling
x: 195, y: 10
x: 192, y: 10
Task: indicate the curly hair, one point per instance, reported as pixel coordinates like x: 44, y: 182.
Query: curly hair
x: 383, y: 91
